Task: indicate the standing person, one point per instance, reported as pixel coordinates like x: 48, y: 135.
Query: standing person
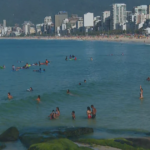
x: 9, y: 96
x: 57, y: 112
x: 38, y: 99
x: 52, y: 115
x: 93, y: 111
x: 46, y: 62
x: 89, y: 113
x: 141, y: 94
x: 73, y: 115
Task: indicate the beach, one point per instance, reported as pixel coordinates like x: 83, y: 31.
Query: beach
x: 114, y: 38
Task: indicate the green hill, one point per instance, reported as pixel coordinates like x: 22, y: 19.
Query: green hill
x: 17, y: 11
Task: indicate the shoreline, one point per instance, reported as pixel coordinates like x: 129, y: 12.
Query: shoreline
x: 84, y: 38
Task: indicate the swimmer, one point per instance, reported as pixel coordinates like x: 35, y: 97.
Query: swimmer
x: 31, y: 89
x: 57, y: 112
x: 68, y: 92
x: 52, y: 115
x: 141, y: 93
x: 89, y: 113
x: 66, y: 58
x: 9, y: 96
x: 79, y: 83
x: 73, y: 115
x: 46, y: 62
x: 13, y: 67
x: 93, y: 111
x: 91, y: 59
x: 84, y: 81
x: 122, y: 54
x: 148, y: 79
x: 70, y: 57
x: 39, y: 63
x: 75, y: 58
x: 3, y: 66
x: 43, y: 70
x: 38, y: 99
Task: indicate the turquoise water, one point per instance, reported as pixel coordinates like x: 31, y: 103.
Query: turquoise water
x: 113, y: 84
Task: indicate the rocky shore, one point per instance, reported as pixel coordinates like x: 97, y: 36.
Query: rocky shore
x: 69, y: 139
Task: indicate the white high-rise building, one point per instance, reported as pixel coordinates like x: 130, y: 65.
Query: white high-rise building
x: 4, y: 23
x: 27, y: 29
x: 48, y: 20
x: 106, y: 20
x: 140, y: 9
x: 88, y: 20
x: 118, y: 15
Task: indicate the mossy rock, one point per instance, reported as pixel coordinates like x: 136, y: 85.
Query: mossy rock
x: 57, y: 144
x: 2, y: 146
x: 9, y: 135
x: 121, y: 143
x: 29, y: 139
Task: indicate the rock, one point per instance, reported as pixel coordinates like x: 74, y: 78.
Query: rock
x: 9, y: 135
x: 140, y: 142
x: 2, y: 145
x: 57, y: 144
x: 29, y: 139
x: 75, y: 132
x: 33, y: 138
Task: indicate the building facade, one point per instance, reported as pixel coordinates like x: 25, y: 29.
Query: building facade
x: 106, y: 20
x: 140, y: 9
x: 118, y: 16
x: 88, y: 20
x: 59, y: 19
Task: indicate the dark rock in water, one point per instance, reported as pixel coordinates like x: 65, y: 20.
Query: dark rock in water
x: 2, y: 145
x: 33, y: 138
x: 9, y: 135
x: 140, y: 142
x: 75, y: 132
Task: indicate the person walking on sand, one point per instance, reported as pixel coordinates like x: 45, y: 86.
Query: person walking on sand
x: 141, y: 93
x: 93, y: 111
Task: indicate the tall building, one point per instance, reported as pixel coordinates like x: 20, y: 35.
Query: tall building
x: 27, y: 29
x: 140, y: 9
x: 106, y: 20
x: 148, y: 9
x: 48, y: 20
x: 118, y: 15
x: 88, y: 20
x: 4, y: 23
x: 129, y: 16
x: 59, y: 19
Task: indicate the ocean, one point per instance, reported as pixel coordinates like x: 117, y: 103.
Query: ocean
x: 112, y: 85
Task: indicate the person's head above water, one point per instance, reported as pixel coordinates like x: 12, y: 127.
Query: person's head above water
x: 68, y: 91
x: 79, y: 83
x: 84, y: 81
x: 31, y: 89
x: 8, y: 93
x: 43, y: 69
x: 57, y: 108
x: 39, y: 96
x: 92, y: 106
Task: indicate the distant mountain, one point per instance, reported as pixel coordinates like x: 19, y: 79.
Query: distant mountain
x: 17, y: 11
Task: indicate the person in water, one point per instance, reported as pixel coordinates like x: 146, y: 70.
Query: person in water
x: 66, y: 58
x: 9, y: 96
x: 37, y: 70
x: 141, y: 93
x: 57, y: 112
x: 52, y: 115
x: 31, y: 89
x: 75, y: 58
x: 84, y: 81
x: 3, y: 66
x: 38, y: 99
x: 46, y: 62
x: 70, y: 57
x: 68, y: 92
x: 89, y: 113
x: 93, y: 111
x: 79, y: 83
x: 91, y: 58
x: 73, y: 115
x: 13, y: 67
x: 39, y: 63
x: 26, y: 66
x: 148, y: 79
